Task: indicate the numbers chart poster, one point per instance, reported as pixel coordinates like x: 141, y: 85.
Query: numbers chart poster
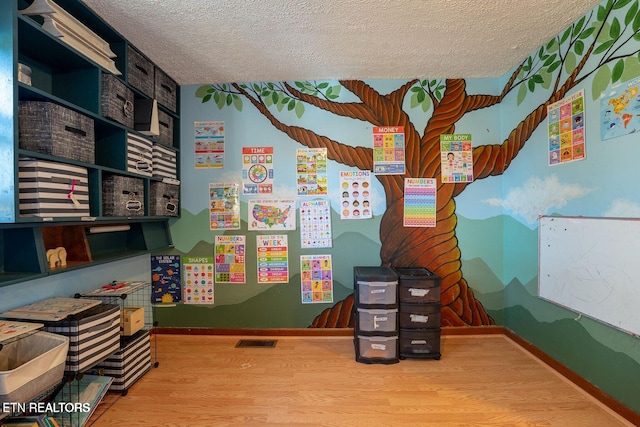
x: 198, y: 280
x: 456, y: 158
x: 273, y: 258
x: 566, y: 129
x: 230, y: 259
x: 388, y: 150
x: 257, y: 170
x: 224, y: 206
x: 165, y: 279
x: 356, y: 197
x: 419, y: 202
x: 209, y: 144
x: 316, y: 279
x: 315, y: 224
x: 272, y: 215
x: 311, y: 171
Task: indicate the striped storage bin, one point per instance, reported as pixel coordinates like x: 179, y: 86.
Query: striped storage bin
x: 139, y: 154
x: 164, y: 162
x: 129, y: 363
x: 50, y: 189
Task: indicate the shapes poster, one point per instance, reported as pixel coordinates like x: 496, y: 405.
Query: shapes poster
x: 566, y: 129
x: 272, y: 215
x: 209, y: 144
x: 230, y: 259
x: 315, y: 224
x: 257, y: 170
x: 388, y: 150
x: 419, y: 202
x: 224, y: 206
x: 316, y: 278
x: 198, y: 280
x: 311, y: 171
x: 165, y: 279
x: 456, y: 158
x: 355, y: 202
x: 273, y: 258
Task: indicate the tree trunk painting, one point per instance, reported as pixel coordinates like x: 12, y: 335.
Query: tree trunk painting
x: 592, y: 45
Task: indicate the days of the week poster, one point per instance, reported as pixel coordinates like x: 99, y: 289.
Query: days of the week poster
x: 273, y: 258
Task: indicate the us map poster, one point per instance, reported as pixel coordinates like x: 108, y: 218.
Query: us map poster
x: 257, y: 170
x: 224, y: 206
x: 316, y: 278
x: 229, y: 259
x: 456, y: 158
x: 273, y: 258
x: 209, y: 144
x: 419, y: 202
x: 198, y: 280
x: 272, y: 215
x: 388, y: 150
x: 315, y: 224
x: 566, y: 129
x: 165, y: 279
x: 356, y: 197
x: 311, y: 171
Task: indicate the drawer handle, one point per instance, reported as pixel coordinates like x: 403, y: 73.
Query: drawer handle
x: 142, y: 69
x: 164, y: 124
x: 167, y: 88
x: 75, y: 130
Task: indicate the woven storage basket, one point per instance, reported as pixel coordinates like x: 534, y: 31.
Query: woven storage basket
x: 166, y: 90
x: 122, y: 196
x: 117, y: 100
x: 140, y: 72
x: 164, y: 199
x: 166, y: 128
x: 48, y: 128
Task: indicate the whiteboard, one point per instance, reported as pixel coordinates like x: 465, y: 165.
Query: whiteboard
x: 592, y: 266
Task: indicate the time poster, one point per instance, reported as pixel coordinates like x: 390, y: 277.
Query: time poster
x: 257, y: 170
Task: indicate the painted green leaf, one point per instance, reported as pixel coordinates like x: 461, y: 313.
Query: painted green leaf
x: 299, y: 110
x: 616, y: 73
x: 292, y: 105
x: 220, y: 101
x: 636, y: 37
x: 552, y: 45
x: 635, y: 26
x: 211, y: 90
x: 413, y: 100
x: 299, y: 84
x: 438, y: 94
x: 229, y: 99
x: 323, y: 85
x: 604, y: 46
x: 554, y: 66
x: 522, y: 93
x: 631, y: 14
x: 601, y: 80
x: 216, y: 97
x: 546, y: 79
x: 570, y: 62
x: 565, y: 35
x: 336, y: 90
x: 614, y: 31
x: 280, y: 106
x: 587, y: 32
x: 433, y: 83
x: 329, y: 92
x: 267, y: 101
x: 550, y: 60
x: 620, y: 4
x: 265, y: 93
x: 274, y: 97
x: 631, y: 68
x: 270, y: 86
x: 578, y: 47
x: 416, y: 89
x: 285, y: 100
x: 532, y: 85
x: 237, y: 102
x: 202, y: 91
x: 603, y: 36
x: 426, y: 104
x: 423, y: 83
x: 526, y: 68
x: 206, y: 98
x: 421, y: 96
x: 540, y: 51
x: 577, y: 27
x: 256, y: 87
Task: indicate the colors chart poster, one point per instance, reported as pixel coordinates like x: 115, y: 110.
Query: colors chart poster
x: 165, y: 279
x: 198, y: 280
x: 273, y: 258
x: 257, y: 170
x: 316, y: 279
x: 419, y: 202
x: 209, y: 144
x: 230, y: 259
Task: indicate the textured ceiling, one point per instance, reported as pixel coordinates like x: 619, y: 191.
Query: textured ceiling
x: 199, y: 41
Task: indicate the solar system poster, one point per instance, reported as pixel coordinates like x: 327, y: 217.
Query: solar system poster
x: 198, y: 280
x: 165, y: 279
x: 257, y: 170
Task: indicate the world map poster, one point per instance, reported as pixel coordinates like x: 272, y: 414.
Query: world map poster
x: 620, y: 110
x: 566, y: 129
x: 272, y: 214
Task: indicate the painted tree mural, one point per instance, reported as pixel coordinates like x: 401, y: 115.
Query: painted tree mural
x: 604, y: 43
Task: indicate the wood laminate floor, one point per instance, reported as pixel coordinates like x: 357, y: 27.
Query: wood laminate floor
x: 485, y: 380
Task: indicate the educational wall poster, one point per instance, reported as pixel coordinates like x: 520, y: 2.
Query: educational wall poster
x: 198, y: 280
x: 315, y: 224
x: 224, y: 206
x: 271, y: 214
x: 316, y: 279
x: 388, y: 150
x: 209, y: 144
x: 419, y: 202
x: 456, y: 158
x: 257, y: 170
x: 619, y: 110
x: 356, y: 197
x: 311, y: 171
x: 566, y: 129
x: 230, y: 256
x: 165, y: 279
x: 273, y: 258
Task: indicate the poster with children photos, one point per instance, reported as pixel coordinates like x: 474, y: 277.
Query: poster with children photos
x: 315, y: 224
x: 209, y: 144
x: 230, y: 259
x: 316, y: 279
x: 355, y: 190
x: 198, y: 280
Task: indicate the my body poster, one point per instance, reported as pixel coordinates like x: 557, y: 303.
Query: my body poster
x: 224, y: 206
x: 209, y: 144
x: 566, y: 129
x: 388, y: 150
x: 272, y: 215
x: 456, y: 158
x: 257, y: 170
x: 273, y: 258
x: 419, y: 202
x: 311, y: 171
x: 316, y: 278
x: 198, y: 280
x: 356, y: 196
x: 230, y: 259
x: 165, y: 279
x: 315, y: 224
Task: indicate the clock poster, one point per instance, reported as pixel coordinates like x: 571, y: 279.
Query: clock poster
x: 257, y: 170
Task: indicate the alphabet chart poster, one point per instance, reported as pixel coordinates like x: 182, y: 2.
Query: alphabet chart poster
x: 257, y: 170
x: 388, y: 150
x: 165, y: 279
x: 315, y: 224
x: 209, y: 144
x: 566, y: 128
x: 456, y: 158
x: 311, y: 171
x: 419, y: 202
x: 273, y: 258
x: 356, y: 197
x: 198, y: 280
x: 224, y: 206
x: 230, y: 255
x: 316, y: 278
